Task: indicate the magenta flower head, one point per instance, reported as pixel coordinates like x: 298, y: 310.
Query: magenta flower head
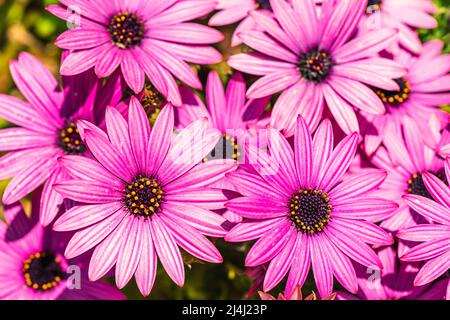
x: 312, y: 61
x: 46, y: 127
x: 305, y: 211
x: 152, y: 38
x: 404, y: 158
x: 33, y: 265
x: 422, y: 91
x: 435, y: 236
x: 143, y: 196
x: 239, y: 121
x: 228, y: 111
x: 394, y: 281
x: 406, y: 16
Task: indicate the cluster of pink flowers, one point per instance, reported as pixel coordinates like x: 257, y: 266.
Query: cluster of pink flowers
x: 327, y: 146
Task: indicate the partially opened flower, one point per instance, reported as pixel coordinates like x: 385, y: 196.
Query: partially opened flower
x: 312, y: 60
x: 305, y: 211
x: 404, y: 157
x: 240, y: 121
x: 406, y: 16
x: 233, y: 11
x: 422, y: 91
x: 434, y: 237
x: 46, y: 127
x: 143, y: 38
x: 395, y: 281
x: 33, y: 265
x: 143, y: 196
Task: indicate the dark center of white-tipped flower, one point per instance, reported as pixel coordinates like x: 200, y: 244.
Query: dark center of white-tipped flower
x: 42, y: 271
x: 126, y: 29
x: 373, y: 6
x: 264, y: 4
x: 315, y: 66
x: 395, y: 98
x: 70, y: 140
x: 309, y: 210
x: 144, y: 196
x: 226, y: 148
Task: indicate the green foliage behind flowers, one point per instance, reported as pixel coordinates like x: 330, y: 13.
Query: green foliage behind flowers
x: 443, y: 31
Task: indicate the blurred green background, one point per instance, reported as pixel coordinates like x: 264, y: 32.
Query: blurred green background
x: 26, y: 26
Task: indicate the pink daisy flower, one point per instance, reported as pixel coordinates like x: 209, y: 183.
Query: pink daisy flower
x: 143, y: 196
x: 404, y: 157
x: 311, y: 60
x: 393, y: 282
x: 404, y: 15
x: 422, y: 91
x: 434, y: 237
x: 33, y: 266
x: 233, y: 11
x: 238, y: 120
x: 153, y: 38
x: 304, y: 211
x: 46, y: 127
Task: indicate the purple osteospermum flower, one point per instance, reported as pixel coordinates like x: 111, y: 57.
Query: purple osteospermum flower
x: 33, y: 266
x: 435, y: 237
x: 312, y: 60
x: 422, y: 91
x: 404, y: 15
x: 239, y: 121
x: 46, y: 127
x: 228, y: 111
x: 232, y: 11
x: 150, y: 38
x: 404, y: 157
x: 143, y: 197
x: 393, y: 282
x: 304, y: 211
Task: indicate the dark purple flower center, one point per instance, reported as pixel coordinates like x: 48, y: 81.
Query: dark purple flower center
x: 144, y: 196
x: 126, y: 30
x: 264, y: 4
x: 373, y: 6
x: 309, y: 210
x: 395, y: 98
x: 226, y: 148
x: 315, y: 65
x: 70, y: 140
x: 42, y: 271
x: 417, y: 186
